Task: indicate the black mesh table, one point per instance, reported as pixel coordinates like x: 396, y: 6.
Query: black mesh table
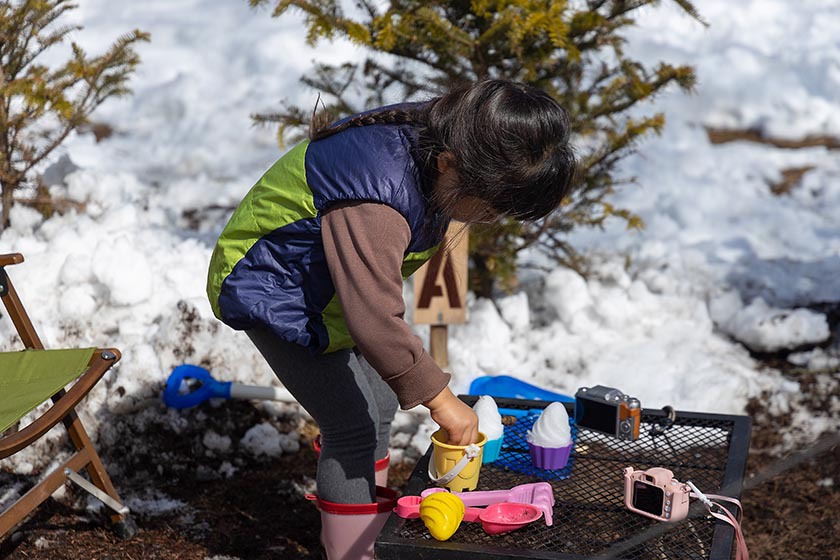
x: 590, y: 520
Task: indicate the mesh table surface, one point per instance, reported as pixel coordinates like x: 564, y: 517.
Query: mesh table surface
x: 590, y: 520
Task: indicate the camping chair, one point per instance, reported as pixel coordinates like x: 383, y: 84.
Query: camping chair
x: 30, y: 377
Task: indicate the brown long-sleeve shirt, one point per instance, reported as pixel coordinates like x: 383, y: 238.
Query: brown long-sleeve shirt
x: 365, y: 243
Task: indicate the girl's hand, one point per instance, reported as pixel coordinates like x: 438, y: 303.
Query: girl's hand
x: 456, y: 418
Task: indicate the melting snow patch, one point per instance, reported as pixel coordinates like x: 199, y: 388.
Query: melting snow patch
x: 216, y: 442
x: 227, y: 470
x: 264, y: 439
x: 10, y: 495
x: 156, y: 503
x: 816, y: 359
x: 768, y: 329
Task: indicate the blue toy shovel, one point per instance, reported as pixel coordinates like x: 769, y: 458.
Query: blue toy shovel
x: 505, y: 386
x: 190, y: 385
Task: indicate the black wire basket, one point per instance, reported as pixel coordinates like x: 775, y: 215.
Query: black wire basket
x: 589, y: 518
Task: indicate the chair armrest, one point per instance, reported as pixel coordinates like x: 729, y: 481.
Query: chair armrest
x: 11, y: 258
x: 63, y: 406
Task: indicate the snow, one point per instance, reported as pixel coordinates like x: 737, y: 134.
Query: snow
x: 264, y: 439
x: 216, y: 442
x: 768, y: 329
x: 154, y: 504
x: 667, y: 315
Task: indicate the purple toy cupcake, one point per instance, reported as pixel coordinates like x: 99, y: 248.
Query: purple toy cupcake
x: 550, y: 439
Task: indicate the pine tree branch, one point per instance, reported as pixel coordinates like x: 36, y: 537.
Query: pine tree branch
x: 370, y: 8
x: 689, y: 8
x: 326, y: 82
x: 630, y: 100
x: 35, y: 158
x: 451, y: 31
x: 68, y: 93
x: 418, y: 57
x: 397, y: 75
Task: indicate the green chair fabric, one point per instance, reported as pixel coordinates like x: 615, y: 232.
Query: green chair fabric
x: 30, y: 377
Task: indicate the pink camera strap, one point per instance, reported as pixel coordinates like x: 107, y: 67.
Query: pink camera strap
x: 741, y: 552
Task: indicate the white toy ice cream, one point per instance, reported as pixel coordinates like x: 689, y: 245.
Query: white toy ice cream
x: 550, y: 439
x: 490, y: 424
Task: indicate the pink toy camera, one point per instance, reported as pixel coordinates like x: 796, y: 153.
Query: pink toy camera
x: 655, y: 493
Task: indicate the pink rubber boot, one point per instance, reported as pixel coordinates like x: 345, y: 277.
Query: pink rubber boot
x: 348, y: 531
x: 381, y: 470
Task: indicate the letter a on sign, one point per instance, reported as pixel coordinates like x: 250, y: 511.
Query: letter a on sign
x: 440, y: 285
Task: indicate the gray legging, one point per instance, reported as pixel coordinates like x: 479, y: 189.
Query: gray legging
x: 352, y: 405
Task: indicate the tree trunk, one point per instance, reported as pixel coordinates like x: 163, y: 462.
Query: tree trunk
x: 481, y: 278
x: 7, y: 200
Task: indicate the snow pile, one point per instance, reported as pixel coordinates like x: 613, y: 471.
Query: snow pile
x: 648, y: 336
x: 766, y: 329
x: 766, y: 65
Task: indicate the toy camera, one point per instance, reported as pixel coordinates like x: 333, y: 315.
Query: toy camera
x: 608, y: 410
x: 655, y: 493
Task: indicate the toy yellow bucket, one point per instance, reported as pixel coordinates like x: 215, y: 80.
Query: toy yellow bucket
x: 455, y: 466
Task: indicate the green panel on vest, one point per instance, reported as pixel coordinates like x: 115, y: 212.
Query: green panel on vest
x: 337, y: 332
x: 30, y: 377
x: 413, y: 261
x: 280, y: 197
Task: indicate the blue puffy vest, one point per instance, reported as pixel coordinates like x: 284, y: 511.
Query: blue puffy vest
x: 268, y: 267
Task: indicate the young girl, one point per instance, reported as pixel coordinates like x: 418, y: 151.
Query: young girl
x: 311, y: 263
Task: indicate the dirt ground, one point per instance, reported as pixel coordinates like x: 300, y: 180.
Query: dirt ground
x: 258, y: 513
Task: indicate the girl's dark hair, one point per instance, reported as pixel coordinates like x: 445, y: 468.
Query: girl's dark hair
x: 509, y: 144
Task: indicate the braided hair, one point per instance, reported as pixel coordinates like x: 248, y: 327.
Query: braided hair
x: 509, y: 144
x: 319, y: 130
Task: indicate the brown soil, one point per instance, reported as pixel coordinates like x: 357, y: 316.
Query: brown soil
x: 791, y: 178
x: 259, y: 513
x: 724, y: 135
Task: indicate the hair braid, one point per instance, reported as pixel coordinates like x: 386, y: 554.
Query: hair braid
x: 388, y: 116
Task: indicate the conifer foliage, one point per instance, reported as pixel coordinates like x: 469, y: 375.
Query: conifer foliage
x: 575, y: 50
x: 41, y: 105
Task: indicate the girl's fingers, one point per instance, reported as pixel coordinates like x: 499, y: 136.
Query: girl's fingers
x: 464, y: 439
x: 468, y: 437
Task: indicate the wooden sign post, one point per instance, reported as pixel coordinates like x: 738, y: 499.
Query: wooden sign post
x: 440, y: 290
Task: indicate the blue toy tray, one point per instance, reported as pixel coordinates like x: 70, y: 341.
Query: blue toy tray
x: 515, y: 455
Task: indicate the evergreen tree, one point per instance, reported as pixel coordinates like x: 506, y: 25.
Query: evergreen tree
x: 573, y: 50
x: 40, y: 106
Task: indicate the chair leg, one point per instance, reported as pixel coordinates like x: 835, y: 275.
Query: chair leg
x: 125, y: 529
x: 26, y: 504
x: 96, y: 470
x: 94, y: 491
